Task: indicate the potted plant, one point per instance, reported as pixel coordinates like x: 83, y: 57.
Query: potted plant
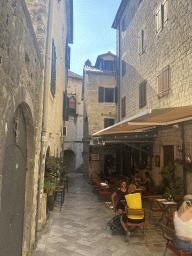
x: 171, y: 184
x: 50, y: 183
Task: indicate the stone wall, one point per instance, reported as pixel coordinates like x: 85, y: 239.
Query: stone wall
x: 97, y: 111
x: 21, y: 85
x: 75, y: 123
x: 169, y: 46
x: 94, y: 114
x: 161, y: 49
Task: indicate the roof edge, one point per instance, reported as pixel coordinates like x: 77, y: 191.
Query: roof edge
x: 119, y: 13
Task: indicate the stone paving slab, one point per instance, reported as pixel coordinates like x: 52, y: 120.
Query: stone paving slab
x: 79, y: 228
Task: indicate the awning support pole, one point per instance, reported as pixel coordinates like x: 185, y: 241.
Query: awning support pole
x: 183, y: 153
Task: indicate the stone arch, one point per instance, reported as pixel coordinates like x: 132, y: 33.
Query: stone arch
x: 23, y: 101
x: 69, y: 159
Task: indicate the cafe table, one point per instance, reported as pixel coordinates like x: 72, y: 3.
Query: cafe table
x: 166, y: 205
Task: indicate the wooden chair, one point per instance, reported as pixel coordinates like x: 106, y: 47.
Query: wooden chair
x: 169, y: 235
x: 169, y: 215
x: 178, y: 198
x: 140, y: 226
x: 155, y: 207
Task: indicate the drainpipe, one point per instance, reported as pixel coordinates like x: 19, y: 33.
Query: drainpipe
x: 183, y: 155
x: 119, y: 82
x: 44, y: 117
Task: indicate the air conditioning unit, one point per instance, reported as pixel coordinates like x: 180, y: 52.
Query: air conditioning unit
x: 64, y: 131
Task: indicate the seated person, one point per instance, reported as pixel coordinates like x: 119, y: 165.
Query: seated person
x: 137, y: 178
x: 183, y: 227
x: 133, y: 202
x: 120, y: 195
x: 147, y: 183
x: 132, y: 188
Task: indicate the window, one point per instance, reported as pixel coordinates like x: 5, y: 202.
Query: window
x: 108, y: 65
x: 53, y: 69
x: 123, y: 67
x: 162, y: 16
x: 123, y: 106
x: 142, y: 41
x: 124, y: 24
x: 65, y: 107
x: 106, y: 94
x: 168, y: 154
x: 67, y: 57
x: 108, y: 122
x: 142, y: 94
x: 72, y: 105
x: 163, y: 82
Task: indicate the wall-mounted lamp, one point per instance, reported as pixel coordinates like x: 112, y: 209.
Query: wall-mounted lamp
x: 180, y: 148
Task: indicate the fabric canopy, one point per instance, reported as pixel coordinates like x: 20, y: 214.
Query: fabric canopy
x: 149, y: 118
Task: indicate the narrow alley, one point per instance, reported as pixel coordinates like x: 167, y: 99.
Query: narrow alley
x: 79, y: 228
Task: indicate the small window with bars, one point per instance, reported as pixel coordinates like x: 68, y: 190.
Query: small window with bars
x: 142, y: 94
x: 163, y: 82
x: 123, y: 106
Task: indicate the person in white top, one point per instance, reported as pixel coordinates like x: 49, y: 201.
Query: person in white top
x: 183, y: 227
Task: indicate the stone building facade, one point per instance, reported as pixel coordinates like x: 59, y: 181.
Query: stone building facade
x: 154, y: 55
x: 73, y: 141
x: 32, y: 35
x: 154, y: 68
x: 21, y: 69
x: 99, y: 95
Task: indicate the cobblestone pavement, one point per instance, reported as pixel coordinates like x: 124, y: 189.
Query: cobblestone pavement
x: 79, y: 228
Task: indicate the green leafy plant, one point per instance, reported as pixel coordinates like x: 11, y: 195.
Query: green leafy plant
x: 50, y: 182
x: 171, y: 184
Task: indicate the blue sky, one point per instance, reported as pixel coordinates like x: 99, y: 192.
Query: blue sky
x: 92, y: 32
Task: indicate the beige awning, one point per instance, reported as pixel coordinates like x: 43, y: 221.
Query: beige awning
x: 149, y: 119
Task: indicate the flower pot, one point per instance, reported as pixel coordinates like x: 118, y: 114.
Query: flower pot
x: 47, y: 190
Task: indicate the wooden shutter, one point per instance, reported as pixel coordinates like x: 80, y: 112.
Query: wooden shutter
x: 142, y: 94
x: 109, y: 95
x: 166, y: 80
x: 67, y: 57
x: 140, y: 42
x: 101, y: 94
x: 163, y: 82
x: 53, y: 69
x: 160, y: 84
x: 123, y: 67
x: 123, y: 106
x: 116, y: 94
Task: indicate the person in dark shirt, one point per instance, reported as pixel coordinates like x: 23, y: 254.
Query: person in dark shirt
x: 119, y: 195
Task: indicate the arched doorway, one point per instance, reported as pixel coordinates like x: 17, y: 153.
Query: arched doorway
x: 69, y: 160
x: 13, y: 186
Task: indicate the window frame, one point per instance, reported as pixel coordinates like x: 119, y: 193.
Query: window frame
x: 102, y: 94
x: 163, y: 82
x: 142, y: 41
x: 161, y: 16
